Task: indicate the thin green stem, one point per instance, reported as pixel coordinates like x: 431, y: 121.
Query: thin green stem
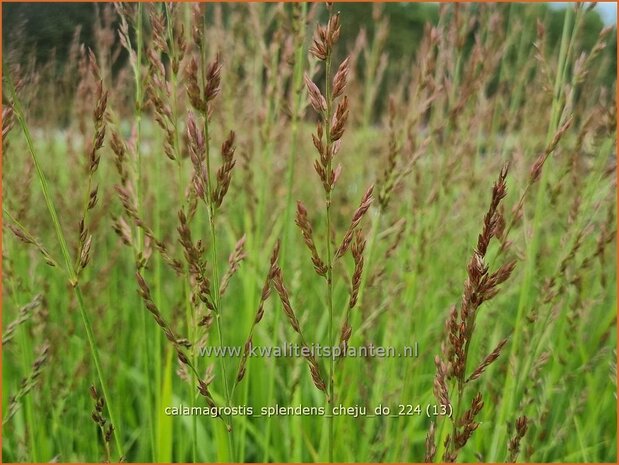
x: 159, y: 302
x: 217, y: 296
x: 70, y: 270
x: 329, y: 253
x: 211, y: 208
x: 139, y: 43
x: 26, y: 365
x: 510, y: 386
x: 299, y: 66
x: 138, y: 119
x: 191, y: 330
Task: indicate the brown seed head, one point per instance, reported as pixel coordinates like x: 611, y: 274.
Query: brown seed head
x: 341, y: 77
x: 358, y: 215
x: 193, y: 89
x: 491, y: 357
x: 305, y: 226
x: 318, y: 102
x: 339, y: 119
x: 224, y: 174
x: 213, y: 78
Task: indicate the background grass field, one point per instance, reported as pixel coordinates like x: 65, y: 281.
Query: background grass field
x: 430, y: 128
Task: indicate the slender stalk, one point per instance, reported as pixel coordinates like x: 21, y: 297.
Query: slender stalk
x: 191, y: 330
x: 158, y: 297
x: 138, y: 119
x: 299, y: 66
x: 217, y: 296
x: 211, y: 208
x: 329, y: 253
x: 70, y: 270
x: 26, y: 366
x: 411, y: 292
x: 139, y: 97
x: 510, y: 386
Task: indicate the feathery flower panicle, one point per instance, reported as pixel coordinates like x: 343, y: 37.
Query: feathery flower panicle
x: 28, y: 383
x: 24, y: 313
x: 536, y: 168
x: 280, y: 288
x: 28, y: 239
x: 522, y: 425
x: 213, y: 79
x: 430, y: 444
x: 318, y: 102
x: 224, y: 174
x: 305, y: 226
x: 325, y: 38
x: 98, y: 417
x: 358, y: 215
x: 264, y: 296
x: 197, y: 150
x: 479, y: 287
x: 193, y: 89
x: 358, y: 247
x: 234, y: 262
x: 339, y: 119
x: 341, y: 78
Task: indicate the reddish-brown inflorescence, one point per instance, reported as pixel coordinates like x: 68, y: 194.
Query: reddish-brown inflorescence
x: 480, y: 286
